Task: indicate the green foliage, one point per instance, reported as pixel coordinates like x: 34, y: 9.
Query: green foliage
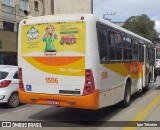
x: 141, y: 25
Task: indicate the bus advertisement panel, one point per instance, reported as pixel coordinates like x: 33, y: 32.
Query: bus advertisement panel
x: 55, y: 54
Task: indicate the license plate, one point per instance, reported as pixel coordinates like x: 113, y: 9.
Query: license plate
x: 52, y: 102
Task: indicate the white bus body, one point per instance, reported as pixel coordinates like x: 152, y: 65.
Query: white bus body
x: 63, y: 67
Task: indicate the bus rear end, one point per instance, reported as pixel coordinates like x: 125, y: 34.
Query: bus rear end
x: 51, y: 60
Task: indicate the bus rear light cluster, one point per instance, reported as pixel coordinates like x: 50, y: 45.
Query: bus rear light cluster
x: 89, y: 86
x: 21, y: 86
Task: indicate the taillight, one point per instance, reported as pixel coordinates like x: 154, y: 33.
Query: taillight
x: 5, y: 83
x: 21, y: 86
x: 89, y: 86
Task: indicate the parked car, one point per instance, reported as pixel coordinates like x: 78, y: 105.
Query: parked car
x: 9, y: 83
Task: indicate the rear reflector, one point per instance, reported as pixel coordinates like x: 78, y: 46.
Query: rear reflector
x: 89, y: 86
x: 21, y: 86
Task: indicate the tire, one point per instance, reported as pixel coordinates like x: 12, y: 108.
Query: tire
x: 127, y: 95
x: 13, y: 100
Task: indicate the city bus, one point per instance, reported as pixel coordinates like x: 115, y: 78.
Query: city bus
x: 81, y: 61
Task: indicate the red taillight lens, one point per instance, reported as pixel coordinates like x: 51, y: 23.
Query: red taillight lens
x: 21, y: 86
x: 88, y: 89
x: 5, y: 83
x: 20, y: 73
x: 89, y: 86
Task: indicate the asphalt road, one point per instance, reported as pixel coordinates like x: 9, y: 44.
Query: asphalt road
x: 144, y: 107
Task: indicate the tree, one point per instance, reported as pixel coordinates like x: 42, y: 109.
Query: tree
x: 141, y: 25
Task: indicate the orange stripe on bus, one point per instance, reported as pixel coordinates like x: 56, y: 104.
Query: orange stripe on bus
x: 57, y: 61
x: 134, y: 69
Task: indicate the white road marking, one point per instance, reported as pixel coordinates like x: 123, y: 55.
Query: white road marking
x: 21, y: 109
x: 4, y: 114
x: 15, y: 111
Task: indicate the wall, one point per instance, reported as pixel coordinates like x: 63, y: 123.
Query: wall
x: 72, y: 6
x: 9, y: 41
x: 67, y: 6
x: 15, y: 14
x: 8, y: 50
x: 1, y: 19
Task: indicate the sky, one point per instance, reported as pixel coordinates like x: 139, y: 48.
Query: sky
x: 123, y: 9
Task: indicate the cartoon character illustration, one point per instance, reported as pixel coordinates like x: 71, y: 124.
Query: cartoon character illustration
x: 49, y: 37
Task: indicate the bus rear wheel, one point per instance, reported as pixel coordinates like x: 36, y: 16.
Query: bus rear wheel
x: 127, y: 95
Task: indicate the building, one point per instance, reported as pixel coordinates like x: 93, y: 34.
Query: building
x: 48, y: 7
x: 11, y: 12
x: 8, y: 48
x: 67, y: 6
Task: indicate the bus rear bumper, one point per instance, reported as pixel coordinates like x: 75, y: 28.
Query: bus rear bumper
x: 84, y: 102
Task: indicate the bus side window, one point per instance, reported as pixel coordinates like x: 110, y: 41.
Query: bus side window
x: 119, y: 40
x: 141, y: 53
x: 111, y: 39
x: 102, y: 43
x: 127, y: 49
x: 111, y: 43
x: 135, y: 50
x: 118, y: 43
x: 115, y: 46
x: 153, y: 55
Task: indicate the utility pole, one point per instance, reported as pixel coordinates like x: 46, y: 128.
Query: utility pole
x: 91, y: 6
x: 105, y: 16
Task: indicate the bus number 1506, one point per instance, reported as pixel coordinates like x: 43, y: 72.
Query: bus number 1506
x: 51, y: 80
